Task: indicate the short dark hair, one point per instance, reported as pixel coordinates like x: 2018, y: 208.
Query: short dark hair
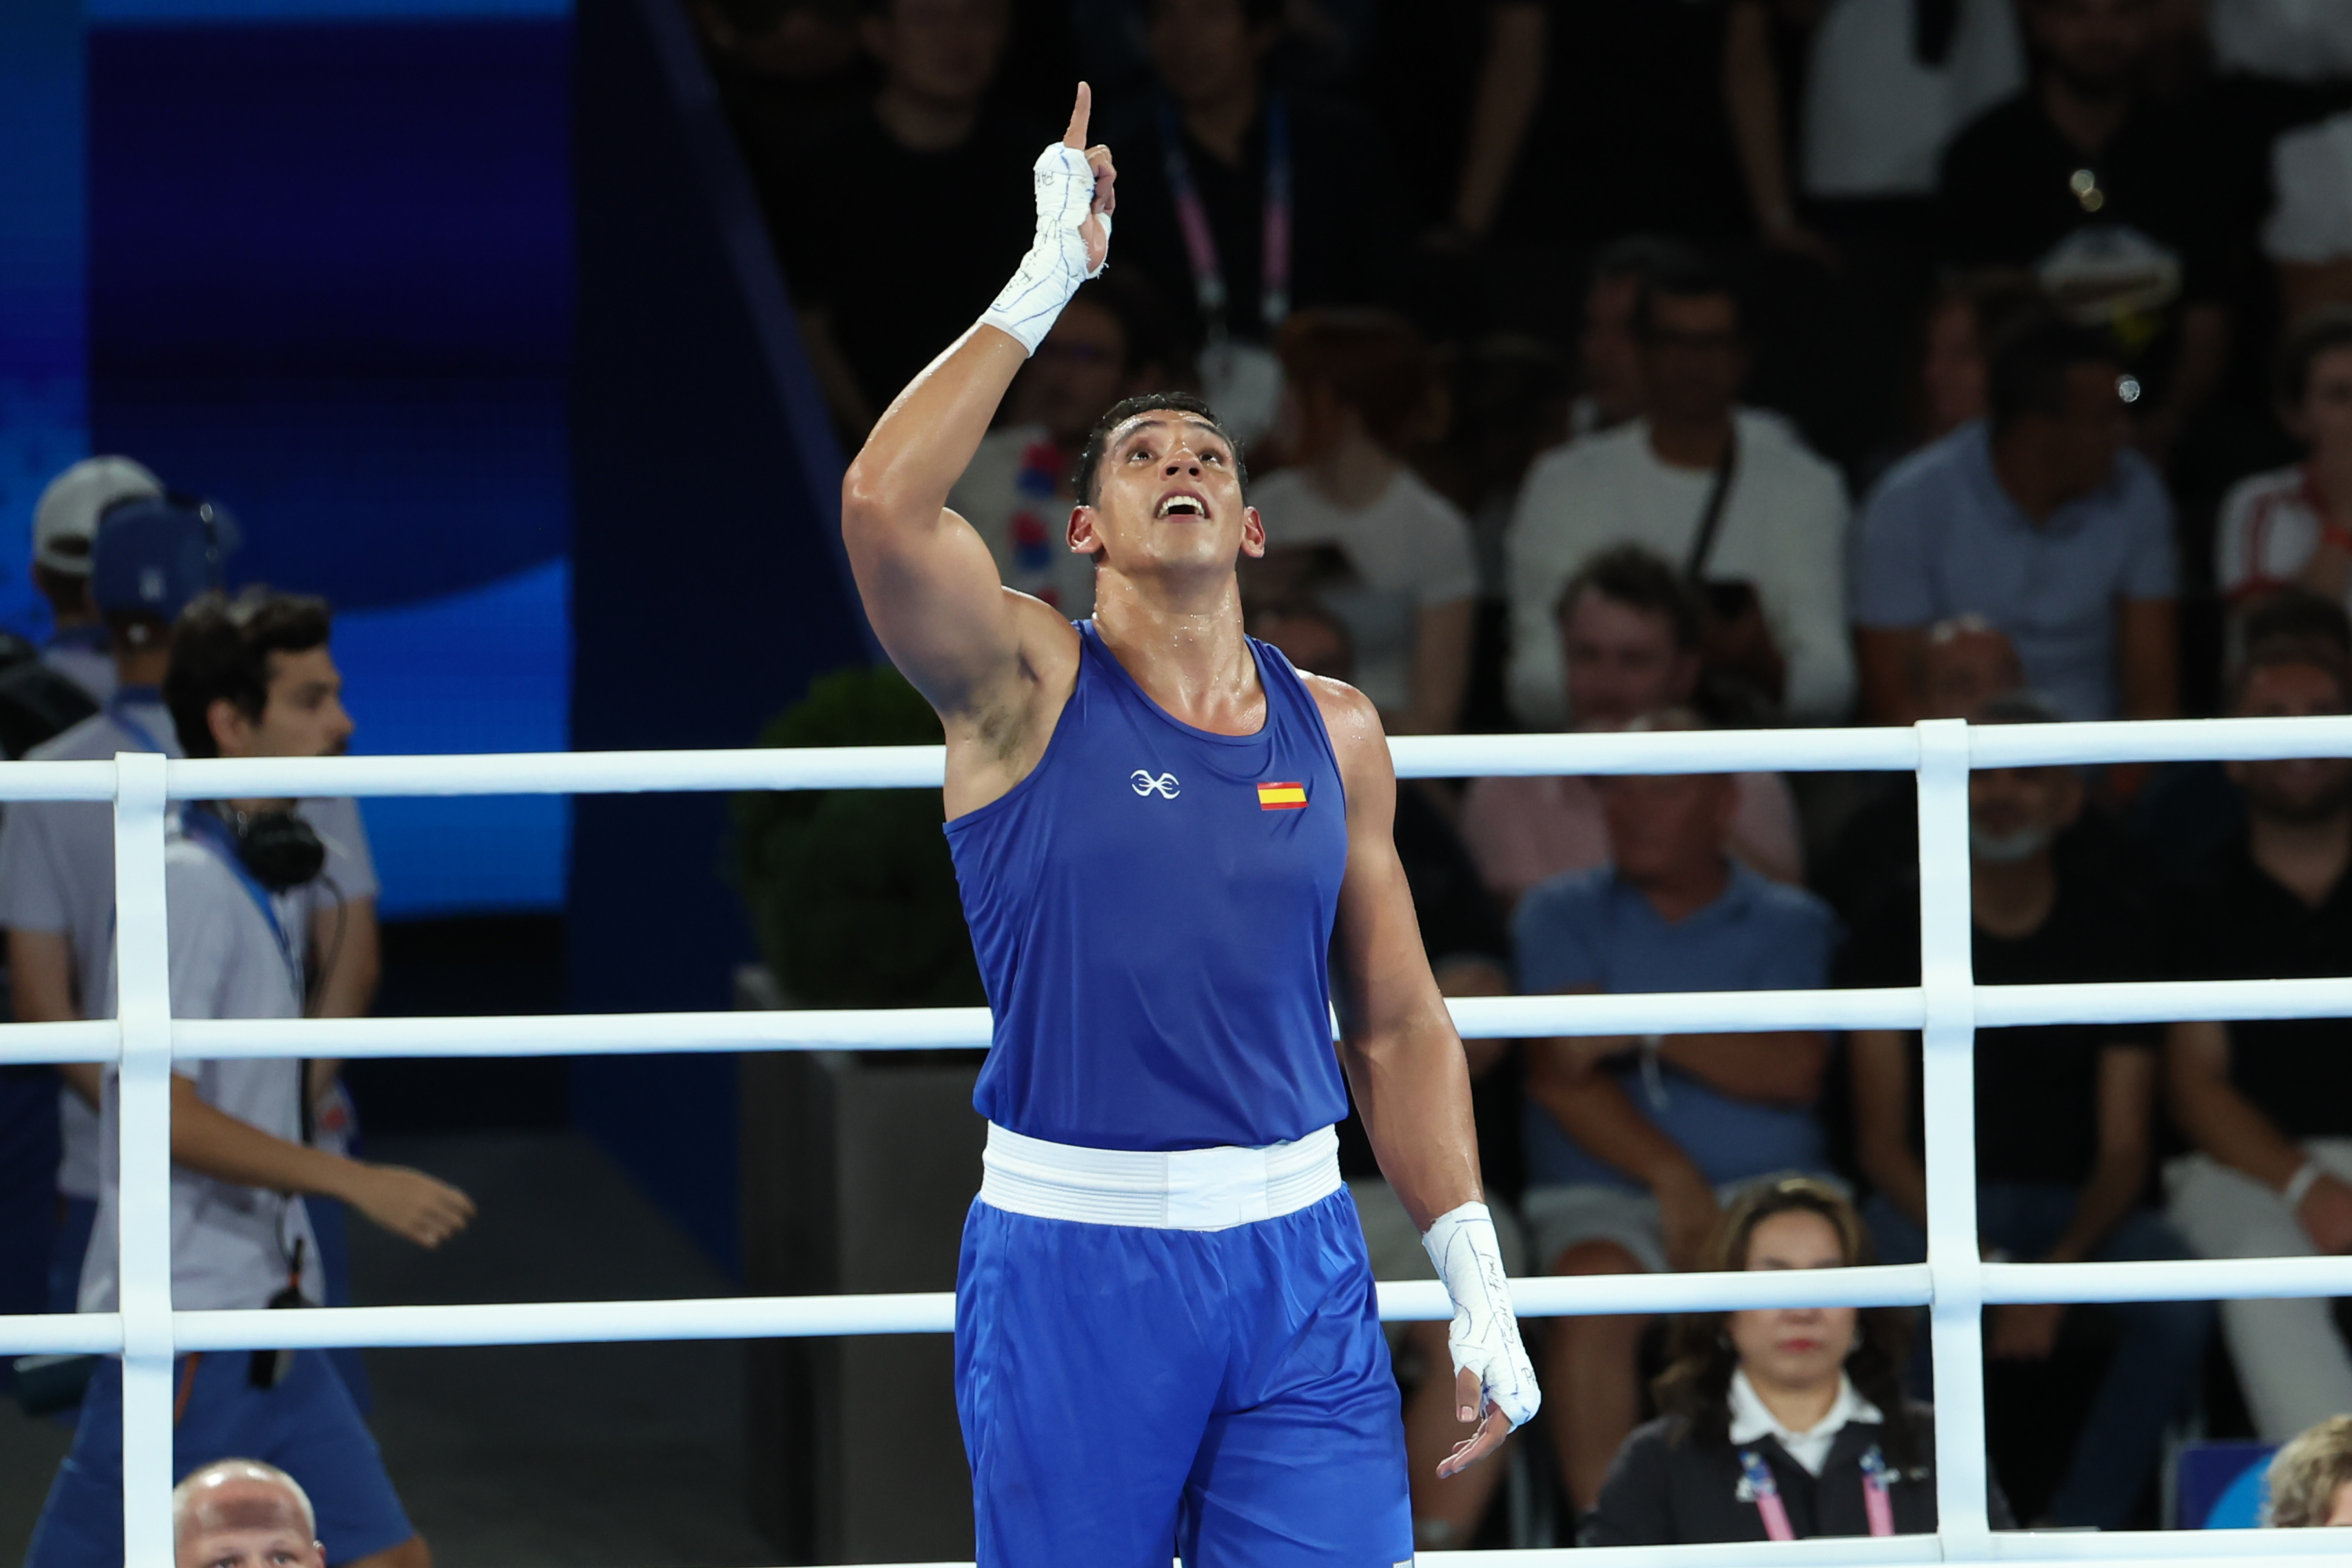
x: 2029, y: 360
x: 2294, y: 611
x: 2321, y: 331
x: 1126, y: 408
x: 1373, y: 362
x: 1680, y: 273
x: 220, y: 652
x: 2273, y: 652
x: 1641, y: 580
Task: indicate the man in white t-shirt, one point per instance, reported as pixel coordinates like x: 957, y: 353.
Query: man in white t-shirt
x: 1783, y: 515
x: 248, y: 679
x: 1629, y: 633
x: 1406, y: 578
x: 1016, y: 494
x: 56, y: 857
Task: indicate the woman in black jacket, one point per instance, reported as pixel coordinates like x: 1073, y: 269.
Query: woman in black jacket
x: 1783, y: 1423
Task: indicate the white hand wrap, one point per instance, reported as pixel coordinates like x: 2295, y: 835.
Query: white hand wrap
x: 1484, y: 1336
x: 1056, y: 262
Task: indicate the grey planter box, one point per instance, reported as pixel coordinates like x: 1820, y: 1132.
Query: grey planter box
x: 858, y: 1170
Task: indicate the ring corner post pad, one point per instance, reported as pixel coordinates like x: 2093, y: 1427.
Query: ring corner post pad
x: 144, y: 1102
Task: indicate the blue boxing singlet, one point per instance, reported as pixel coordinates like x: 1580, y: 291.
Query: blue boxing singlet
x: 1152, y: 908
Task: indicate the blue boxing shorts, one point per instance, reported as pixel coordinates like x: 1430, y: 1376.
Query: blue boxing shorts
x: 1128, y: 1394
x: 306, y: 1426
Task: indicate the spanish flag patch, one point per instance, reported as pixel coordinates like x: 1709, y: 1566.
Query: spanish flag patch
x: 1281, y: 796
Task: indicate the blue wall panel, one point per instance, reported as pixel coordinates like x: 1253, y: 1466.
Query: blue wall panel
x: 331, y: 276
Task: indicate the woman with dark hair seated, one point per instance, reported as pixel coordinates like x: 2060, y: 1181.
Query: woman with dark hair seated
x: 1784, y: 1422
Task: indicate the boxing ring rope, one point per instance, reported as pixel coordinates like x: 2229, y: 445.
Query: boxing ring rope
x: 1947, y: 1008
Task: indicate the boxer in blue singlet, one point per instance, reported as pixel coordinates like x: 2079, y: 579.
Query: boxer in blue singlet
x: 1166, y: 1334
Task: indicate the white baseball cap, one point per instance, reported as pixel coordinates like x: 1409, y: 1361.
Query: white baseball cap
x: 65, y: 519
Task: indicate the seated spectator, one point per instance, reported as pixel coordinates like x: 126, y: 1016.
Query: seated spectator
x: 2307, y: 236
x: 1470, y: 956
x: 1018, y: 489
x: 1633, y: 1141
x: 2294, y: 525
x: 2040, y: 520
x: 2107, y: 195
x: 2310, y: 1480
x: 1730, y: 494
x: 928, y: 155
x: 1358, y: 390
x: 2268, y: 1104
x: 251, y: 679
x: 1609, y: 348
x: 1628, y: 630
x: 242, y: 1513
x: 2064, y: 1118
x: 1778, y: 1423
x: 1963, y: 321
x: 1211, y: 164
x: 2189, y: 811
x: 1961, y: 663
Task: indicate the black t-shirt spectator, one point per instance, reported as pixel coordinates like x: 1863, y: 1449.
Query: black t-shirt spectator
x: 2015, y: 192
x: 1630, y: 135
x: 2037, y: 1089
x: 1457, y: 920
x: 2232, y: 922
x: 1341, y: 224
x: 1875, y: 857
x: 902, y: 250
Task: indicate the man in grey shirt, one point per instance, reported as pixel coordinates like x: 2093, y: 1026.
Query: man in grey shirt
x: 2041, y: 520
x: 252, y: 678
x: 56, y: 857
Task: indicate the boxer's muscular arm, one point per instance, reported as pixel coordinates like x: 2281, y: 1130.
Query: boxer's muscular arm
x: 1413, y: 1088
x: 1404, y: 1062
x: 928, y: 584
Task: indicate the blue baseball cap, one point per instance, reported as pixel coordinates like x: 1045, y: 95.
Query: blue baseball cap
x: 154, y: 558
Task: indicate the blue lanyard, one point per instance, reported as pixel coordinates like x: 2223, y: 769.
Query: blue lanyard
x: 118, y: 708
x: 1200, y: 240
x: 208, y: 826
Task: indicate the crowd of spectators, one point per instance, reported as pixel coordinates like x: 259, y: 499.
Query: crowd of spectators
x: 1730, y: 362
x: 271, y: 908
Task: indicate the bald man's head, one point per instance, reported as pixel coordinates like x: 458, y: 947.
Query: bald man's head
x: 242, y: 1513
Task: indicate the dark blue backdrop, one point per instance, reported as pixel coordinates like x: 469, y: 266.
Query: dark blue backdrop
x: 463, y: 307
x: 331, y: 283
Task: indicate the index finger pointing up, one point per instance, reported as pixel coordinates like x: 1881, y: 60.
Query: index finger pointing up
x: 1076, y: 134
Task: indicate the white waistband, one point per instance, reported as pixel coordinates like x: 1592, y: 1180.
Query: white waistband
x: 1178, y: 1189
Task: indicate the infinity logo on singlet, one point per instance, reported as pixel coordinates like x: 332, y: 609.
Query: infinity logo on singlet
x: 1163, y: 786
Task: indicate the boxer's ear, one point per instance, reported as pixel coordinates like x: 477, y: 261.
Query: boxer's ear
x: 1083, y: 538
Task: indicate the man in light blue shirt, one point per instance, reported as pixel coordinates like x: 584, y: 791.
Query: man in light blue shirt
x: 2041, y: 520
x: 1632, y: 1142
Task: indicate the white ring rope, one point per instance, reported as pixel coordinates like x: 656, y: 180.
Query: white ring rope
x: 1949, y: 1007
